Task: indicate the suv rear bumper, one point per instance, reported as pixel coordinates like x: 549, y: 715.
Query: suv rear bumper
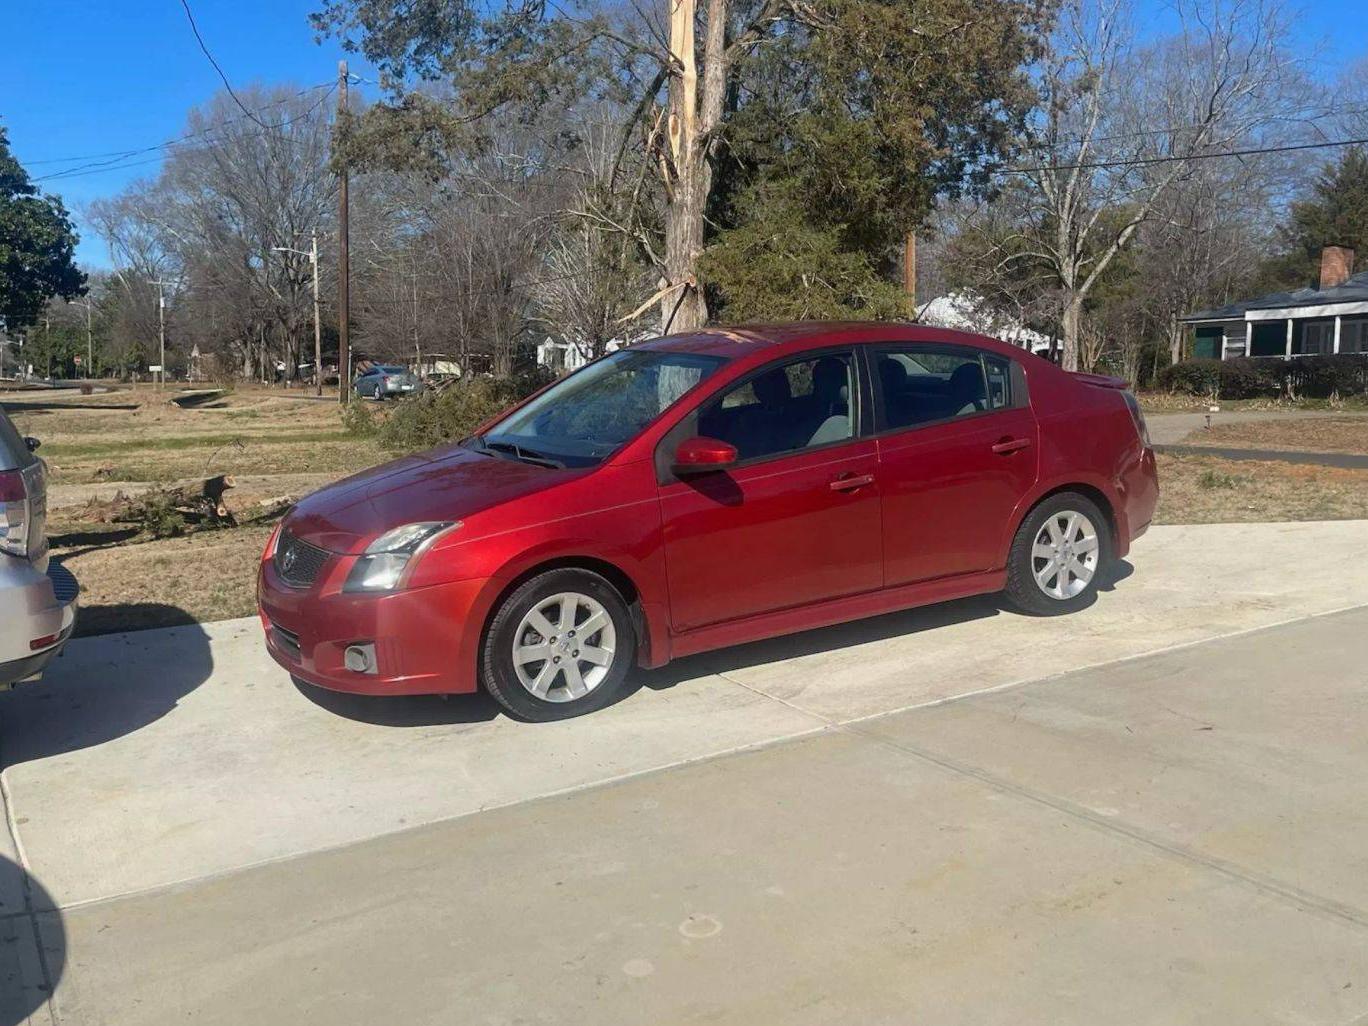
x: 34, y: 606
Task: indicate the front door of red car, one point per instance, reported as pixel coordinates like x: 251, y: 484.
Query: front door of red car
x: 796, y: 519
x: 957, y: 454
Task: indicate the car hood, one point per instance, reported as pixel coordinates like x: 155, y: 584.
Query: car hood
x: 445, y: 484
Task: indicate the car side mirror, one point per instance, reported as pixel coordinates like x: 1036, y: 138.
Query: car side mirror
x: 702, y: 455
x: 32, y: 443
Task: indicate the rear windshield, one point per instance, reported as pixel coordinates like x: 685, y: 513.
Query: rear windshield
x: 13, y: 452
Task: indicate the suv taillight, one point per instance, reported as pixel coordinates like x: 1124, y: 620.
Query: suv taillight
x: 14, y: 513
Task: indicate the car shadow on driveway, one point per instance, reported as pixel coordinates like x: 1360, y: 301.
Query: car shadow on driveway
x: 402, y: 710
x: 32, y: 945
x: 103, y: 688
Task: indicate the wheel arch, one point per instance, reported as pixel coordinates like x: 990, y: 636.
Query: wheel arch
x: 1096, y: 495
x: 621, y: 581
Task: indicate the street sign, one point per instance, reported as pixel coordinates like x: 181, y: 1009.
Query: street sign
x: 155, y: 368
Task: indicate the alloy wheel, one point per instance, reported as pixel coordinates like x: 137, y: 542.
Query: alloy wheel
x: 1064, y: 554
x: 563, y: 647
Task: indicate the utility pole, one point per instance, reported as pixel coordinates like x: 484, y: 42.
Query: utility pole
x: 47, y: 346
x: 910, y: 268
x: 90, y: 342
x: 343, y: 257
x: 312, y: 254
x: 161, y: 330
x: 318, y: 317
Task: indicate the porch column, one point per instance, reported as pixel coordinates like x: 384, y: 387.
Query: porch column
x: 1289, y: 338
x: 1337, y: 333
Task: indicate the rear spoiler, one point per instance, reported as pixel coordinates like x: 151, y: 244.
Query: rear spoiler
x: 1102, y: 381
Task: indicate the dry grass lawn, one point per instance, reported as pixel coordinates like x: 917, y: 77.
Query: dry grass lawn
x: 276, y: 443
x: 198, y: 578
x: 1306, y: 434
x: 1209, y: 490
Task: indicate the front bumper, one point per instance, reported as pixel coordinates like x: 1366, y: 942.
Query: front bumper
x: 36, y: 605
x: 426, y: 640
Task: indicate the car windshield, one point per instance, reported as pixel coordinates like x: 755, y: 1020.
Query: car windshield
x: 585, y: 417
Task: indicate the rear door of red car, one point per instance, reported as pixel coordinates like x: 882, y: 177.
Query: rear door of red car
x: 796, y: 520
x: 957, y: 452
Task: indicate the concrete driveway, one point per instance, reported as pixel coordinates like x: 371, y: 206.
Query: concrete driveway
x: 1148, y: 812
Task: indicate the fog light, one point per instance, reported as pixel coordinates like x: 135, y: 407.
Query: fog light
x: 360, y: 658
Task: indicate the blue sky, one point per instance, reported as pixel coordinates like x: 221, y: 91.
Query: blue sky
x: 86, y: 77
x: 92, y: 76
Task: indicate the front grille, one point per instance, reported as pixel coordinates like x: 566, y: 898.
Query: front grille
x: 287, y: 641
x: 297, y: 562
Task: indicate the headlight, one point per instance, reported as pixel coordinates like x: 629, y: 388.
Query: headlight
x: 382, y: 566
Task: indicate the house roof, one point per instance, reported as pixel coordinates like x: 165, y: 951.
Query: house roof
x: 1354, y: 290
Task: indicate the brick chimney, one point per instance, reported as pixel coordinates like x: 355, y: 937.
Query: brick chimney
x: 1337, y: 263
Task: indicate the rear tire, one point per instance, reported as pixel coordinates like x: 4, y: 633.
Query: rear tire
x: 559, y: 646
x: 1058, y: 556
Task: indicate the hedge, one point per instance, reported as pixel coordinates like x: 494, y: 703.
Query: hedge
x: 1318, y: 377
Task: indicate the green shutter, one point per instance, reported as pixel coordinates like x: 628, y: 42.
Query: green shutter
x: 1208, y: 343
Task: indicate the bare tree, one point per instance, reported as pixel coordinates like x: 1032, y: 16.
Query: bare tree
x: 212, y: 221
x: 1123, y: 126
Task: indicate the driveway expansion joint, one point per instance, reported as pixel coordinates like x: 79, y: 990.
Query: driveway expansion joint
x: 28, y: 911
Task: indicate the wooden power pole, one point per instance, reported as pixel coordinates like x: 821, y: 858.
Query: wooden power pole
x: 910, y: 268
x: 343, y: 257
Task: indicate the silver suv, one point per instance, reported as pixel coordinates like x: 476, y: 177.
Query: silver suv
x: 37, y: 597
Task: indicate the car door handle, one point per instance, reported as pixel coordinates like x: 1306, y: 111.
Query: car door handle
x: 849, y: 482
x: 1011, y: 445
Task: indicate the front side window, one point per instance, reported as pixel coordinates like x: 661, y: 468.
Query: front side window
x: 585, y: 417
x: 797, y: 406
x: 922, y: 386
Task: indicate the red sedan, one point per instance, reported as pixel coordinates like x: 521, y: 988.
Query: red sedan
x: 705, y: 490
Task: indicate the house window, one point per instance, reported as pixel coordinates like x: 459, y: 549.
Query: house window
x: 1354, y: 335
x: 1234, y: 347
x: 1268, y: 338
x: 1314, y: 338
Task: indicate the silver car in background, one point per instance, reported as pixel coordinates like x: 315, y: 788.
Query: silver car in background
x: 37, y: 597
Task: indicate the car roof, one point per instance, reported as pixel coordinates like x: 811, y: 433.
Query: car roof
x: 746, y: 339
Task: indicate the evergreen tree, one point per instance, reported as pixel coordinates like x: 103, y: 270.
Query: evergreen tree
x: 37, y: 246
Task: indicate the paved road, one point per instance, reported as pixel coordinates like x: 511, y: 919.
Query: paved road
x: 1342, y: 460
x: 1172, y: 428
x: 1147, y: 812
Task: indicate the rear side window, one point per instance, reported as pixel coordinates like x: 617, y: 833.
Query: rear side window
x: 999, y: 375
x: 926, y: 385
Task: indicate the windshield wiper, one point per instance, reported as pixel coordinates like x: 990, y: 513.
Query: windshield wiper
x: 526, y: 455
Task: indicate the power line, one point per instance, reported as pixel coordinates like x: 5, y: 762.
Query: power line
x: 1101, y: 165
x: 174, y: 142
x: 226, y: 84
x: 121, y: 161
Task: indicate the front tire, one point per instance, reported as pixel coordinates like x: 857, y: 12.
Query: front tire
x: 1058, y: 556
x: 559, y: 646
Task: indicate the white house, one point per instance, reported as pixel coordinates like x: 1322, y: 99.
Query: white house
x: 966, y: 312
x: 562, y: 355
